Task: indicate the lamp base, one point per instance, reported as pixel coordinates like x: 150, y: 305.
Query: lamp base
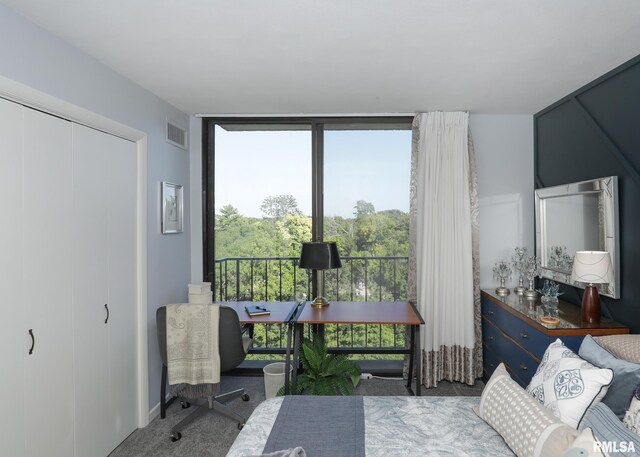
x: 319, y: 302
x: 591, y: 305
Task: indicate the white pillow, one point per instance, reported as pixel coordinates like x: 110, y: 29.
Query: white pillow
x: 528, y: 428
x: 584, y: 446
x: 567, y: 384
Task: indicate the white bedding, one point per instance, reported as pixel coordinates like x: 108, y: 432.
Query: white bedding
x: 397, y: 426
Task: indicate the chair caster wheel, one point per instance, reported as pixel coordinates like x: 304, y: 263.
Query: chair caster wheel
x: 175, y: 436
x: 185, y: 404
x: 240, y: 426
x: 245, y: 397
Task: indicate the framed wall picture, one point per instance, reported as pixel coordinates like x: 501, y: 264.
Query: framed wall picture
x: 171, y: 201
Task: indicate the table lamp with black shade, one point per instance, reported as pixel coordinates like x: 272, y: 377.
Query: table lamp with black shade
x: 591, y: 267
x: 320, y: 256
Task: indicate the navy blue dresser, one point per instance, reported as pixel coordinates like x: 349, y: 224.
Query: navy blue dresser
x: 513, y: 334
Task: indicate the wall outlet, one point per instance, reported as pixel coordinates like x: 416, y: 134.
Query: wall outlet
x: 366, y: 376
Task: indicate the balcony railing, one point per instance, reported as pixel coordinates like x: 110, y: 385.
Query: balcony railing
x: 280, y: 279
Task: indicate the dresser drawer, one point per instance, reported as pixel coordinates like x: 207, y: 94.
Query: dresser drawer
x: 490, y: 361
x: 491, y: 336
x: 520, y: 362
x: 525, y: 335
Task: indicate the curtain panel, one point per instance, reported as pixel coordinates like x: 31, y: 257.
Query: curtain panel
x: 443, y: 254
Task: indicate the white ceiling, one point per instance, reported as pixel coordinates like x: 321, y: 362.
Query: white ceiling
x: 350, y: 56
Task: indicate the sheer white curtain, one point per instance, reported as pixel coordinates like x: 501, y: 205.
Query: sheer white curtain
x: 443, y: 261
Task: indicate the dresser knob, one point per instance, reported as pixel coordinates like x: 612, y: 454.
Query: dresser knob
x: 490, y: 313
x: 491, y: 365
x: 523, y: 367
x: 523, y: 335
x: 490, y: 338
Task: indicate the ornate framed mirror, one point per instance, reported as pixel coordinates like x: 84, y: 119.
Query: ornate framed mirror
x: 581, y: 216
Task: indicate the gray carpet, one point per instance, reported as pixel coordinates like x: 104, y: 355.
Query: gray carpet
x: 213, y: 434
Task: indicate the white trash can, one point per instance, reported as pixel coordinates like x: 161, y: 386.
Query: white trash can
x: 274, y: 378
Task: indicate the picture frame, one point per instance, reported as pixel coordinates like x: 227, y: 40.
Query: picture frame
x: 171, y: 201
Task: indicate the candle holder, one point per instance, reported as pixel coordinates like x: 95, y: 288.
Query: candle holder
x: 531, y: 270
x: 517, y: 259
x: 502, y: 272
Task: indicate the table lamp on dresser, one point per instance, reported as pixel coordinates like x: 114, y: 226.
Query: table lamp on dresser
x: 591, y: 267
x: 320, y: 256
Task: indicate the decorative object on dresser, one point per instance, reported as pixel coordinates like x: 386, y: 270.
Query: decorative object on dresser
x: 320, y: 256
x: 517, y: 259
x: 513, y: 333
x: 550, y: 293
x: 502, y: 272
x: 531, y: 270
x: 591, y: 267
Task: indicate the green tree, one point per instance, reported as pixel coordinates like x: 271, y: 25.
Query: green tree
x: 228, y: 215
x: 278, y: 206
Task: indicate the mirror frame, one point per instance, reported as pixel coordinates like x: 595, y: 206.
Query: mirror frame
x: 607, y: 190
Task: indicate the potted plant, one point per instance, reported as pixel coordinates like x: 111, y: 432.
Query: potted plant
x: 324, y: 373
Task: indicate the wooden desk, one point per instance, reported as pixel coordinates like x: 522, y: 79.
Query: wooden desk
x: 281, y: 313
x: 401, y: 313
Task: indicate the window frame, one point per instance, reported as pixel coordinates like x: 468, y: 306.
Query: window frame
x: 316, y: 125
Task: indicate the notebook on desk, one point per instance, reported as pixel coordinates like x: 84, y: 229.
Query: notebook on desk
x: 257, y: 310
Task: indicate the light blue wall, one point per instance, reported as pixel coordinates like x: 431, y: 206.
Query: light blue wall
x: 504, y: 156
x: 36, y: 58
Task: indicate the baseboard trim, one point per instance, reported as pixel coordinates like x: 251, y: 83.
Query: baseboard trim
x: 155, y: 411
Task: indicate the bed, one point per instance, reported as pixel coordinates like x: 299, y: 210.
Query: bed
x: 393, y: 426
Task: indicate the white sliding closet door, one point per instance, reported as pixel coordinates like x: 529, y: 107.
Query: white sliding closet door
x: 104, y: 290
x: 14, y: 339
x: 90, y: 189
x: 47, y: 289
x: 121, y: 236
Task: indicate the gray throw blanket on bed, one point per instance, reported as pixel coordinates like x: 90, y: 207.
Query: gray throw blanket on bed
x: 322, y: 426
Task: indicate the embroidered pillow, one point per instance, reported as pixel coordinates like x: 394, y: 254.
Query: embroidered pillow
x: 632, y: 418
x: 528, y: 428
x: 567, y: 384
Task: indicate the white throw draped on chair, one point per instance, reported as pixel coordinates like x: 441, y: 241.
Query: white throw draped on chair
x: 443, y: 260
x: 193, y: 356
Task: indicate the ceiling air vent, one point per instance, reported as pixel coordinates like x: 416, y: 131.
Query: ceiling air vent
x: 176, y: 135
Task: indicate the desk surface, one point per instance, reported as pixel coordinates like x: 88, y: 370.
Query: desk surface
x: 280, y: 311
x: 342, y: 312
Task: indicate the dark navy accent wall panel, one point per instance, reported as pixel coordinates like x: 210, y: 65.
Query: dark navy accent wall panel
x: 591, y: 133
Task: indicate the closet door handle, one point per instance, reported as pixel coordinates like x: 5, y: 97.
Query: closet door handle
x: 107, y: 308
x: 33, y: 341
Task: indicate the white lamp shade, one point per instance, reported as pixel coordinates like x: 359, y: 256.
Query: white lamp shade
x: 592, y: 267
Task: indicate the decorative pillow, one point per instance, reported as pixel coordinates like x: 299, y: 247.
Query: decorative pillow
x: 584, y: 446
x: 528, y: 428
x: 632, y: 418
x: 625, y: 347
x: 567, y: 384
x: 626, y: 375
x: 613, y: 436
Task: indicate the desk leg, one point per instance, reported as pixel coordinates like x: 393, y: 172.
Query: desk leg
x: 412, y: 351
x: 298, y: 328
x: 287, y: 360
x: 418, y: 364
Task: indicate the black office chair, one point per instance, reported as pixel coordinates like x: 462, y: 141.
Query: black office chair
x: 233, y: 348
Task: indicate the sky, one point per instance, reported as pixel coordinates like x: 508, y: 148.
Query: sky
x: 359, y: 165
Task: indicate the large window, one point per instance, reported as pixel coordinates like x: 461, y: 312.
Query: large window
x: 272, y: 184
